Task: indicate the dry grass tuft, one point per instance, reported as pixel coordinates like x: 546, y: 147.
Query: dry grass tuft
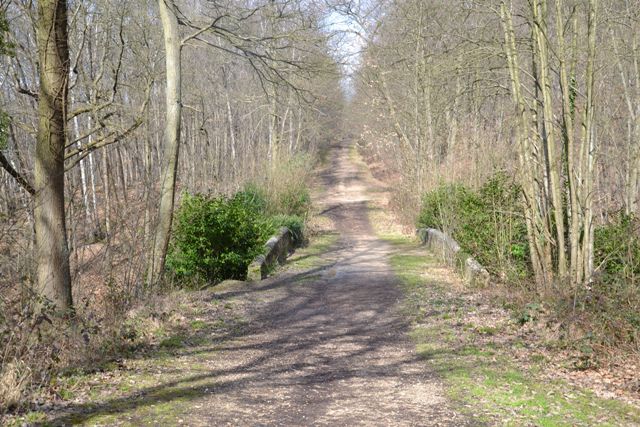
x: 15, y: 381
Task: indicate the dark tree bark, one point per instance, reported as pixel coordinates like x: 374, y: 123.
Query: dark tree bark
x: 54, y: 279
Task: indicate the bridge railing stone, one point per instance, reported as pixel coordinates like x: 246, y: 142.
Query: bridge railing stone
x: 449, y: 250
x: 275, y: 252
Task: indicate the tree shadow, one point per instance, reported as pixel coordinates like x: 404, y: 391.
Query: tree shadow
x: 319, y: 329
x: 303, y: 326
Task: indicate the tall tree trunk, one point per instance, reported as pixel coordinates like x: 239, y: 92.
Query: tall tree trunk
x: 83, y: 174
x: 106, y: 187
x: 54, y: 278
x: 587, y: 161
x: 169, y: 164
x: 555, y: 161
x: 537, y: 232
x: 575, y: 218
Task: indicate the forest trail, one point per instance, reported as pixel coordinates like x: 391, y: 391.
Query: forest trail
x: 362, y: 327
x: 321, y: 343
x: 333, y: 348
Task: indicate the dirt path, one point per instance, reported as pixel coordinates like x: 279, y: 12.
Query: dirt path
x: 325, y: 342
x: 321, y: 345
x: 334, y: 350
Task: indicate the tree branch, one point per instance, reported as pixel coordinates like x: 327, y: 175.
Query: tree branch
x: 6, y: 165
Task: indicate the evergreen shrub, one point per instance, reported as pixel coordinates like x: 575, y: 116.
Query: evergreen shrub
x: 216, y: 238
x: 487, y: 223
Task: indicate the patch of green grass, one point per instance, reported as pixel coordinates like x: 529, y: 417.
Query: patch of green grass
x: 487, y: 330
x: 28, y: 419
x: 397, y: 240
x: 67, y: 384
x: 198, y: 325
x: 408, y: 264
x: 160, y: 406
x: 176, y: 341
x: 505, y: 392
x: 66, y: 394
x: 409, y: 269
x: 486, y: 381
x: 125, y: 387
x: 423, y: 333
x: 312, y: 255
x: 161, y: 413
x: 476, y: 351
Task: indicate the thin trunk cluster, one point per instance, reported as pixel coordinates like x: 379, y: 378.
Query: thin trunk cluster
x: 171, y: 146
x: 556, y: 139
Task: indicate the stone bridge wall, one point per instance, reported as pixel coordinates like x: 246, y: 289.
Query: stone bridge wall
x: 444, y: 246
x: 276, y: 251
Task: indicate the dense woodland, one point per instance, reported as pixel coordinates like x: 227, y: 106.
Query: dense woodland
x: 110, y: 112
x: 512, y: 125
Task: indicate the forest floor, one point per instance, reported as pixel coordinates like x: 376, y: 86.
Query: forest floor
x: 362, y: 327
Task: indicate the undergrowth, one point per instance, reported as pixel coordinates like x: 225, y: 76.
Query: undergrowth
x: 40, y: 349
x: 216, y: 237
x: 489, y: 224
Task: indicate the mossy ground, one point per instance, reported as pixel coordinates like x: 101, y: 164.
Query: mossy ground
x: 475, y: 362
x: 317, y: 253
x: 162, y: 378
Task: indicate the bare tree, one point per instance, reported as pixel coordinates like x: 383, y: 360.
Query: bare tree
x: 54, y: 278
x: 173, y: 46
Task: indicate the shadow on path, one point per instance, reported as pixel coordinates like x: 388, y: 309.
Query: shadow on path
x: 324, y: 346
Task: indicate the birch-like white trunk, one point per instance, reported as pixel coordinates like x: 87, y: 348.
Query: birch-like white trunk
x: 169, y: 164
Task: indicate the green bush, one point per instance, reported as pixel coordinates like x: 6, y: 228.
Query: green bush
x: 614, y: 295
x: 294, y: 223
x: 488, y: 223
x: 216, y: 238
x: 617, y: 249
x: 440, y: 207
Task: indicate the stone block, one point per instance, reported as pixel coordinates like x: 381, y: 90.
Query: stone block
x: 276, y: 251
x: 449, y: 250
